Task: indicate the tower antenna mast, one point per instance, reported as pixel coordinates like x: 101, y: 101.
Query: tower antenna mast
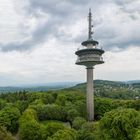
x: 90, y: 25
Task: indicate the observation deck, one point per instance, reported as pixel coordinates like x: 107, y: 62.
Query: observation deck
x: 89, y: 56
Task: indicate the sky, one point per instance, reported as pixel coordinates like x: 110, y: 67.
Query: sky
x: 38, y: 40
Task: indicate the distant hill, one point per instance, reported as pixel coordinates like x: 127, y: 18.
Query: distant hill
x: 43, y: 87
x: 103, y: 83
x: 113, y: 89
x: 102, y: 88
x: 113, y: 84
x: 133, y: 82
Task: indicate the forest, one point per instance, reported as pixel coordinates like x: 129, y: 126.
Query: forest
x: 61, y: 114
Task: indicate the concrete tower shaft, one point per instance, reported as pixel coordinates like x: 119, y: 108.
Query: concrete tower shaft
x: 90, y: 95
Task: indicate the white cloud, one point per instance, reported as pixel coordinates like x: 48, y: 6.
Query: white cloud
x: 39, y: 40
x: 120, y: 65
x: 9, y: 22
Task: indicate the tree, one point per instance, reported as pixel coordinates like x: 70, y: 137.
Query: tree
x: 61, y: 99
x: 55, y: 112
x: 80, y: 106
x: 71, y: 114
x: 21, y: 105
x: 9, y: 118
x: 30, y: 131
x: 48, y: 98
x: 120, y: 124
x: 29, y: 127
x: 102, y: 105
x: 50, y: 112
x: 50, y: 129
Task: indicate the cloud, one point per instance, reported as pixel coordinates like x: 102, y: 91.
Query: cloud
x: 37, y: 43
x: 120, y: 65
x: 116, y: 28
x: 116, y: 25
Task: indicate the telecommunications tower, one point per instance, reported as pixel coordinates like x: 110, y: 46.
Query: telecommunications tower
x: 89, y: 56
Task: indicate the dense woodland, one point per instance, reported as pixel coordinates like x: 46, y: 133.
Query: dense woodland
x: 61, y: 114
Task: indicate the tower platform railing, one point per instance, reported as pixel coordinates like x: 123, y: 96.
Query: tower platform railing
x: 84, y: 47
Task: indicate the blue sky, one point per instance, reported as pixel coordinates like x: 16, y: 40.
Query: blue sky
x: 38, y: 39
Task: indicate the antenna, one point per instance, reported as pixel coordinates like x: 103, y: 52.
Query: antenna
x: 90, y: 25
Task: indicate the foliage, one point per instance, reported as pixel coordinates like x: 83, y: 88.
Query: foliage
x: 88, y: 131
x: 67, y: 134
x: 21, y: 105
x: 137, y: 135
x: 50, y: 128
x: 120, y: 124
x: 29, y: 126
x: 9, y: 118
x: 71, y: 114
x: 78, y: 122
x: 45, y: 115
x: 48, y: 98
x: 2, y: 104
x: 61, y: 99
x: 80, y: 106
x: 4, y: 135
x: 85, y: 135
x: 50, y: 112
x: 133, y: 104
x: 102, y: 105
